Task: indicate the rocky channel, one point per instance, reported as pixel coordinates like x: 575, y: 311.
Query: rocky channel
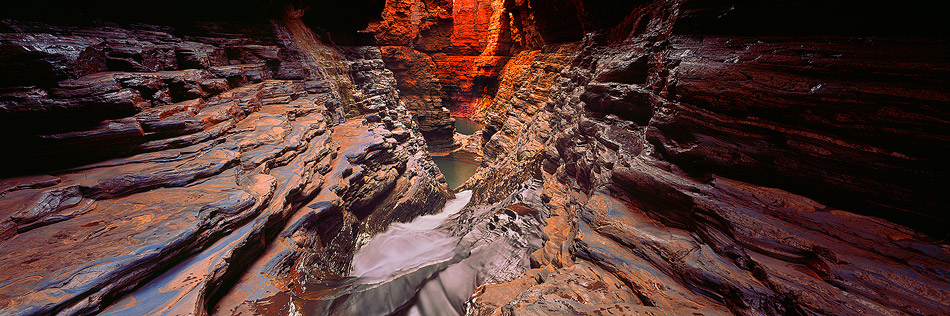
x: 474, y: 157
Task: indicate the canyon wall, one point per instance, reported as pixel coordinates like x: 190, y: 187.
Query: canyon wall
x: 160, y: 163
x: 446, y: 56
x: 665, y: 157
x: 719, y: 157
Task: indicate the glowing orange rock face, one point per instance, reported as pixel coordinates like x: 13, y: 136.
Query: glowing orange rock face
x: 470, y: 27
x: 468, y: 40
x: 466, y: 79
x: 481, y: 38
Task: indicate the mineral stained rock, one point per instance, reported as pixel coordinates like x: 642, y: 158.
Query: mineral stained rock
x: 658, y: 157
x: 205, y: 167
x: 446, y: 56
x: 722, y: 170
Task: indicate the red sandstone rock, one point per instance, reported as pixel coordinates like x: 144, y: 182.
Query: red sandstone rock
x: 469, y: 51
x: 421, y: 91
x: 650, y: 137
x: 676, y: 157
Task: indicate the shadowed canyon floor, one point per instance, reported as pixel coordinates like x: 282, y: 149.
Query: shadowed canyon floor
x: 474, y: 157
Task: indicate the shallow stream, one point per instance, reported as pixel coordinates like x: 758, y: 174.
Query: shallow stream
x: 405, y: 246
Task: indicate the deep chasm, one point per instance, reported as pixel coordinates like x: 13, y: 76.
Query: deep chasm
x: 474, y: 157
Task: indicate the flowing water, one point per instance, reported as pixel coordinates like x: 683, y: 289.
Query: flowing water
x: 393, y: 271
x: 390, y: 274
x: 405, y: 246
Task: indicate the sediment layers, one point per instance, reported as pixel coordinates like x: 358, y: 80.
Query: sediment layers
x: 659, y: 157
x: 445, y: 56
x: 690, y: 172
x: 233, y: 145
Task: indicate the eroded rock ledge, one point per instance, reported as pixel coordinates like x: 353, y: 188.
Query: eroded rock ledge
x: 242, y: 147
x: 709, y: 173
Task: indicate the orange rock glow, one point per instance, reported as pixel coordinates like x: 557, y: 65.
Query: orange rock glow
x: 468, y: 40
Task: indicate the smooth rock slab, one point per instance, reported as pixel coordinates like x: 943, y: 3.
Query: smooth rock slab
x: 116, y: 244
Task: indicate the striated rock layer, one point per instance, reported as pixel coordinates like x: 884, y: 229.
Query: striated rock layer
x: 666, y: 157
x: 740, y: 168
x: 258, y: 142
x: 446, y: 56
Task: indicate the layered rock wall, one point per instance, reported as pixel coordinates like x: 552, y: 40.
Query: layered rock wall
x: 444, y: 55
x: 100, y: 92
x: 732, y: 169
x: 660, y: 157
x: 210, y: 145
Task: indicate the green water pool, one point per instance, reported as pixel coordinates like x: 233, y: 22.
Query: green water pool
x: 466, y: 126
x: 456, y: 170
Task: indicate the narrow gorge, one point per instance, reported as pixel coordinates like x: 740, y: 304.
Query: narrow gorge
x: 474, y: 157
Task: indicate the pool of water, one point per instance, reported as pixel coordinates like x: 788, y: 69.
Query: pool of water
x: 466, y: 126
x: 456, y: 169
